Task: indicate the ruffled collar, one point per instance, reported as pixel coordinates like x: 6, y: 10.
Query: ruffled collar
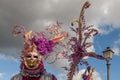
x: 31, y: 73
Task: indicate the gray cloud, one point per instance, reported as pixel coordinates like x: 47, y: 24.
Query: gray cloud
x: 1, y: 75
x: 29, y: 13
x: 35, y: 14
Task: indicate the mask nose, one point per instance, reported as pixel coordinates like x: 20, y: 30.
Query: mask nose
x: 32, y: 59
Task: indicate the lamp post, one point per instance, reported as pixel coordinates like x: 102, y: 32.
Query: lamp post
x: 108, y: 53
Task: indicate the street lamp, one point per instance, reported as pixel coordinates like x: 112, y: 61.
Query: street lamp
x: 108, y: 53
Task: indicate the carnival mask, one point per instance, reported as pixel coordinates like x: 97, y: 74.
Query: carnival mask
x: 32, y: 60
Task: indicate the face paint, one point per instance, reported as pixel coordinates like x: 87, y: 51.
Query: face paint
x: 32, y: 60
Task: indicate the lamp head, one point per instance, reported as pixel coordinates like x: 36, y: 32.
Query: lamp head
x: 108, y: 53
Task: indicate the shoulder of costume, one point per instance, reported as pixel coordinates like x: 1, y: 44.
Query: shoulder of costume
x: 17, y: 77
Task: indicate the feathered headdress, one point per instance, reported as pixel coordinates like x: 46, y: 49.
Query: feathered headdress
x: 37, y: 41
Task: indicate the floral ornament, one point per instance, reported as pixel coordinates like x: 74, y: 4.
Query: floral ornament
x: 87, y: 75
x: 43, y: 45
x: 38, y: 41
x: 79, y: 44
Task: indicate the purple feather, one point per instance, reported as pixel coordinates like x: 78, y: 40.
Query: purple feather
x: 44, y: 46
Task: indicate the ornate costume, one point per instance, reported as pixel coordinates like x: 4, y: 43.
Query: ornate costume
x: 88, y: 73
x: 36, y: 45
x: 43, y: 75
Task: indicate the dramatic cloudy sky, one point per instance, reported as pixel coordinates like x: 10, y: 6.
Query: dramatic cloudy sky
x: 37, y: 14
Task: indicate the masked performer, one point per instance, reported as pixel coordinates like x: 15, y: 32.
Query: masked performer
x: 88, y: 73
x: 35, y: 47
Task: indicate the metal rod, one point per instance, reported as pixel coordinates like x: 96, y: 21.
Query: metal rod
x: 108, y: 69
